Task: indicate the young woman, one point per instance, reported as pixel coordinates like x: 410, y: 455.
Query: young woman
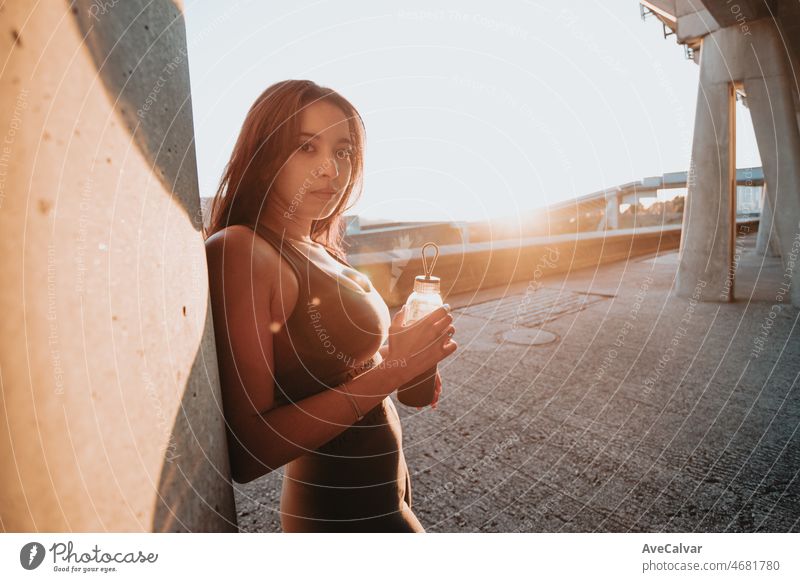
x: 300, y: 334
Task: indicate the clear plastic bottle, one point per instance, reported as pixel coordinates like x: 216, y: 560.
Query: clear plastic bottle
x: 425, y: 298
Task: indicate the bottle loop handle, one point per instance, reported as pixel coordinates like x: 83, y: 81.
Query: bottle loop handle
x: 428, y: 271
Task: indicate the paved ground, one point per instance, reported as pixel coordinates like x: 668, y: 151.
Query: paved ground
x: 649, y: 413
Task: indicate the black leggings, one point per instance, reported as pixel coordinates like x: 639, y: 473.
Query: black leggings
x: 403, y: 521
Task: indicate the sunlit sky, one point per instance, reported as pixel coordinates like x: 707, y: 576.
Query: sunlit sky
x: 470, y: 114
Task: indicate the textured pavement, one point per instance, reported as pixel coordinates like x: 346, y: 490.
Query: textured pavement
x: 648, y: 413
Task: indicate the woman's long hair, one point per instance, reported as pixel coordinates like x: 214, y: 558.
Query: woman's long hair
x: 265, y: 143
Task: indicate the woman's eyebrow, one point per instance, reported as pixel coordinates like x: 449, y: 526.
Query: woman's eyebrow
x: 314, y: 136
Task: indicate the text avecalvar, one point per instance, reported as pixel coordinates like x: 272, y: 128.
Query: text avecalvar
x: 671, y: 549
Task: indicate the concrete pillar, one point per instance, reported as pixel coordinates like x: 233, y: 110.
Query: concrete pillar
x: 706, y: 258
x: 611, y: 220
x: 112, y: 415
x: 759, y: 61
x: 778, y: 138
x: 766, y: 241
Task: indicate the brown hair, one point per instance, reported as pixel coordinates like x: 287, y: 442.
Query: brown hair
x: 264, y: 145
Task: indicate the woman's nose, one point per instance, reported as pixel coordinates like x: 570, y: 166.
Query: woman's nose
x: 330, y: 167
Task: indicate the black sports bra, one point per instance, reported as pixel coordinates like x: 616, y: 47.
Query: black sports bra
x: 335, y: 330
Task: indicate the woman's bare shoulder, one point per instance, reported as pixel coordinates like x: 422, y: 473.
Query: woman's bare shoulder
x: 236, y: 235
x: 242, y: 243
x: 264, y: 262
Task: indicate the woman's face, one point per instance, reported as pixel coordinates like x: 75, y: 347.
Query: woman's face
x: 314, y: 178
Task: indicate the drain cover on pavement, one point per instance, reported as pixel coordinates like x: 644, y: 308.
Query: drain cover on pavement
x: 528, y: 336
x: 533, y: 309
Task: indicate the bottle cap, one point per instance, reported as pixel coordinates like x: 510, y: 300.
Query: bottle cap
x: 426, y: 284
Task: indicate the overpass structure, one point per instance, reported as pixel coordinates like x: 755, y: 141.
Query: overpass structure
x: 749, y: 49
x: 606, y: 203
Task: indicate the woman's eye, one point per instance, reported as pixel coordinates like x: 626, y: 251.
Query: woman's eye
x: 341, y: 154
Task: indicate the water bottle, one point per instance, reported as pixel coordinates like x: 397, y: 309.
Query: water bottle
x: 425, y: 298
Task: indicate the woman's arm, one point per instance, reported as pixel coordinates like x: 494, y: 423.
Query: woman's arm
x: 261, y: 436
x: 281, y: 434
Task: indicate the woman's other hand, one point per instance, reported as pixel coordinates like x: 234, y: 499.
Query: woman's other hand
x: 420, y: 346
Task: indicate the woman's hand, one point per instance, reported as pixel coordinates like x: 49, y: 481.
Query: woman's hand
x: 418, y: 347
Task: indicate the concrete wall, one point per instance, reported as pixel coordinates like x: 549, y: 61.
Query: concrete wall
x: 112, y: 415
